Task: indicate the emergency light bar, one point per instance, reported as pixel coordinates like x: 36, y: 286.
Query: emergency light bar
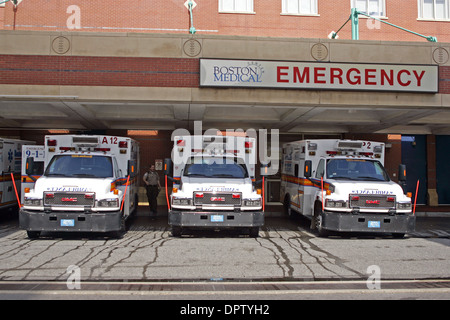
x: 85, y: 140
x: 349, y: 145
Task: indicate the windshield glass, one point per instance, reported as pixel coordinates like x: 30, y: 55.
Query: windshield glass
x: 215, y: 167
x: 80, y: 166
x: 356, y: 169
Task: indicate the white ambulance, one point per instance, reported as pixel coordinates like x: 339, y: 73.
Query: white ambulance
x: 89, y: 185
x: 214, y: 184
x: 341, y: 185
x: 10, y: 159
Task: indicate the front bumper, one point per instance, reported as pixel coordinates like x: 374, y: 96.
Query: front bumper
x: 216, y: 219
x: 70, y: 221
x: 365, y: 222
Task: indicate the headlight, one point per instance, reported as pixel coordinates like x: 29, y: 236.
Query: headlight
x: 403, y: 205
x: 252, y: 203
x: 108, y: 203
x: 32, y: 202
x: 181, y: 202
x: 335, y: 204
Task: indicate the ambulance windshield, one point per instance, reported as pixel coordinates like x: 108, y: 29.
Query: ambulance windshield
x: 84, y: 166
x: 215, y: 167
x: 356, y: 169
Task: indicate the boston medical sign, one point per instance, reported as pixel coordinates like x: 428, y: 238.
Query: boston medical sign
x: 318, y: 76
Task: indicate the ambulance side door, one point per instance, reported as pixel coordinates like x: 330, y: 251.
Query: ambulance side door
x: 38, y: 154
x: 7, y: 191
x: 313, y: 188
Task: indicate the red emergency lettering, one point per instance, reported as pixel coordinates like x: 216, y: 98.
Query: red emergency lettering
x: 389, y: 78
x: 356, y: 79
x: 399, y: 78
x: 301, y: 77
x: 369, y: 75
x: 419, y: 77
x: 336, y: 73
x: 280, y: 73
x: 317, y: 74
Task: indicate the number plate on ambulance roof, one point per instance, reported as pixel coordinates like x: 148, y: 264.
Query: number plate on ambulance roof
x: 67, y: 222
x: 217, y: 218
x: 374, y: 224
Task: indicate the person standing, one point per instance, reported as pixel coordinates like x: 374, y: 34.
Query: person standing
x: 152, y: 185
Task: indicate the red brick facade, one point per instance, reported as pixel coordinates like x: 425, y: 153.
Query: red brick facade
x: 171, y: 16
x: 98, y: 71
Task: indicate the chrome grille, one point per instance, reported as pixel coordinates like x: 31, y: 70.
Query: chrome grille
x: 372, y: 201
x: 69, y: 199
x: 217, y: 199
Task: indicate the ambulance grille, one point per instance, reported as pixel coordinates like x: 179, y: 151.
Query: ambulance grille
x: 372, y: 201
x: 69, y: 199
x: 217, y: 199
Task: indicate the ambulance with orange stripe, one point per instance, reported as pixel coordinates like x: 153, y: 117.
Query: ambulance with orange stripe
x: 341, y: 185
x: 89, y: 184
x: 10, y: 159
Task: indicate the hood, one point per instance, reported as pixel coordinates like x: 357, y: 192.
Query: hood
x: 190, y: 185
x: 64, y: 184
x: 366, y: 187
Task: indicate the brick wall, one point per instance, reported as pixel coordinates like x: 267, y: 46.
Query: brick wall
x: 171, y: 16
x: 99, y: 71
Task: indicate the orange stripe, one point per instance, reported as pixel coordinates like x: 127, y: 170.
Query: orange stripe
x: 305, y: 182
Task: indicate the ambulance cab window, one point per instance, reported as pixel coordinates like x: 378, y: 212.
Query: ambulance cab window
x: 320, y: 169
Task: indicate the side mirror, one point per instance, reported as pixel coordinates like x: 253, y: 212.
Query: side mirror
x: 131, y: 168
x: 402, y: 172
x: 168, y: 167
x: 30, y: 166
x: 264, y: 170
x: 307, y: 169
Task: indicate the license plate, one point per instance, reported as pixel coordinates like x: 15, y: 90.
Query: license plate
x: 374, y: 224
x: 216, y: 218
x: 67, y: 222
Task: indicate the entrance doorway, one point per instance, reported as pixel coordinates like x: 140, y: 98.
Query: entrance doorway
x: 414, y: 156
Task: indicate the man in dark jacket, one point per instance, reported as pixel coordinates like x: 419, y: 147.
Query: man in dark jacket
x: 151, y: 179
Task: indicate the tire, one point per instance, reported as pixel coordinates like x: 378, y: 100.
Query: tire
x: 33, y: 234
x: 287, y: 206
x: 254, y: 232
x: 318, y: 219
x: 176, y: 232
x: 123, y: 229
x: 398, y: 235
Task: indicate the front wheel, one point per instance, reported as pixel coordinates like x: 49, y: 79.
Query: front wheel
x: 254, y: 232
x: 33, y: 234
x: 317, y: 222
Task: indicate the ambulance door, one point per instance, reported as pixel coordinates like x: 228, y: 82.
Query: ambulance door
x: 7, y: 196
x: 297, y: 194
x: 2, y: 169
x: 38, y: 155
x: 313, y: 187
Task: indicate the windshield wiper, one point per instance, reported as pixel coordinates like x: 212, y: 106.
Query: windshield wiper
x: 195, y: 175
x: 224, y: 175
x: 369, y: 178
x: 342, y: 178
x: 87, y: 175
x: 56, y: 175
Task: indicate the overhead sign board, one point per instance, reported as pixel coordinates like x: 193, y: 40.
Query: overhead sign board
x: 318, y: 75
